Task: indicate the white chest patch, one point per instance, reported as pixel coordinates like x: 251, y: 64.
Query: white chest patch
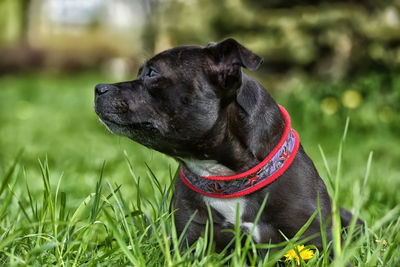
x: 207, y: 167
x: 227, y: 207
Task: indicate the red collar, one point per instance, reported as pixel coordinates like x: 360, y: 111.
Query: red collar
x: 264, y: 173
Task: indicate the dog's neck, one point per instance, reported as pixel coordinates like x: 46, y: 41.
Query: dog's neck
x: 241, y: 184
x: 247, y: 131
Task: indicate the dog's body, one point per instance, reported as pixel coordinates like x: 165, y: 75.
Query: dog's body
x: 195, y: 104
x: 291, y: 201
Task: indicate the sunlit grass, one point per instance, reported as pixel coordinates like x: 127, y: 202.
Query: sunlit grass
x: 106, y: 228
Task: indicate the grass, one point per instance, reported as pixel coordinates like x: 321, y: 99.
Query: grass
x: 61, y: 204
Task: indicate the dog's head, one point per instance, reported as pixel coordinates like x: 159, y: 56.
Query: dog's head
x: 178, y: 96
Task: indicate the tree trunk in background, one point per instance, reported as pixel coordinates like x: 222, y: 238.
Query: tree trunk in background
x: 150, y: 29
x: 23, y: 36
x: 14, y: 17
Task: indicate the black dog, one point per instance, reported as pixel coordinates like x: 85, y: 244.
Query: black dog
x: 195, y: 104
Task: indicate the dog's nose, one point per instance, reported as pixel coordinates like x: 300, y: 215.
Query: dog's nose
x: 102, y: 88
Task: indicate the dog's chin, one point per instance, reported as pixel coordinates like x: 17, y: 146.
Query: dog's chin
x: 114, y: 127
x: 142, y: 132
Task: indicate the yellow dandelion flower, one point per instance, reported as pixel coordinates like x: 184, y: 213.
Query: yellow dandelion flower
x: 305, y: 254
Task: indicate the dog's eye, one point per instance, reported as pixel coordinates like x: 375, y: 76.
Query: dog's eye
x: 152, y: 73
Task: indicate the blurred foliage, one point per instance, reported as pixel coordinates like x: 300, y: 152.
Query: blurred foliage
x: 329, y: 39
x: 326, y: 38
x: 371, y: 102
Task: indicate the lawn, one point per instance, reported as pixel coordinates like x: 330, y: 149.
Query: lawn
x: 58, y: 205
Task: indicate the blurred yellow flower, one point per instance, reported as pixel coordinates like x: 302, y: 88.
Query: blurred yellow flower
x: 305, y: 254
x: 351, y: 99
x: 329, y: 105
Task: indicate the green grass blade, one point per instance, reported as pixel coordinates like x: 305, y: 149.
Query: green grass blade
x: 95, y: 206
x: 7, y: 177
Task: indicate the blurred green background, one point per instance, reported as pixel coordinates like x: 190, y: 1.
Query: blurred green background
x: 324, y: 60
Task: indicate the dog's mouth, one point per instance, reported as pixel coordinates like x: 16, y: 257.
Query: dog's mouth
x: 131, y: 129
x: 143, y: 126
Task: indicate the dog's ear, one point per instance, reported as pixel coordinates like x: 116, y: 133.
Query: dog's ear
x: 231, y: 52
x: 228, y: 58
